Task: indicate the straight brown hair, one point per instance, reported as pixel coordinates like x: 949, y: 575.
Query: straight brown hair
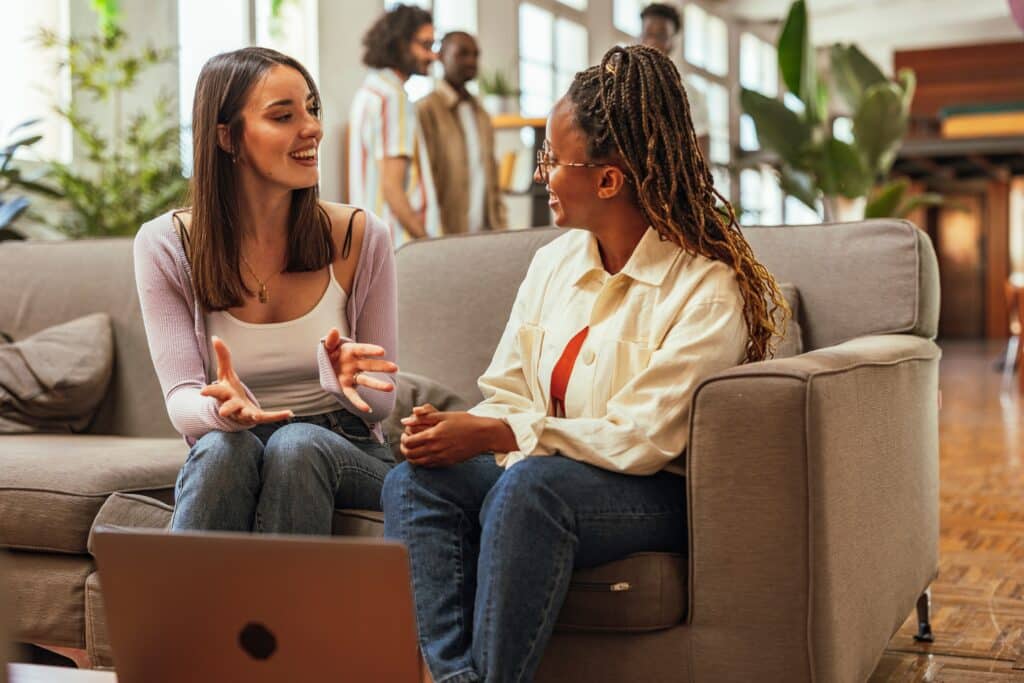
x: 214, y: 240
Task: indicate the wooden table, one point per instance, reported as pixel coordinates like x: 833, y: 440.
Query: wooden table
x: 33, y: 673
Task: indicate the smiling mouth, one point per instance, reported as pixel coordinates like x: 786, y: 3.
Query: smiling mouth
x: 305, y: 155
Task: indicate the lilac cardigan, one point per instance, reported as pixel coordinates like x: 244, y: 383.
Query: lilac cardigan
x: 182, y: 362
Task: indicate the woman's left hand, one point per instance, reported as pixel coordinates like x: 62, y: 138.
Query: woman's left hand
x: 437, y: 439
x: 350, y: 360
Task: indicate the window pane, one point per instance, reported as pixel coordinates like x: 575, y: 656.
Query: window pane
x: 575, y: 4
x: 293, y: 31
x: 793, y: 103
x: 842, y: 129
x: 536, y: 27
x: 205, y: 29
x: 797, y: 213
x: 571, y: 39
x: 717, y: 46
x: 723, y: 182
x: 718, y: 117
x: 748, y: 133
x: 626, y: 16
x: 750, y: 61
x: 750, y: 196
x: 537, y: 81
x: 30, y: 86
x: 771, y: 198
x: 694, y: 20
x: 455, y: 15
x: 769, y: 70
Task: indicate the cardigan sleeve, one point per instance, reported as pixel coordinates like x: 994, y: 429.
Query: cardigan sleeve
x: 168, y: 318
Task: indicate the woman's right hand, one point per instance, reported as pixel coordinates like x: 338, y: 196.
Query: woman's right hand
x: 235, y: 404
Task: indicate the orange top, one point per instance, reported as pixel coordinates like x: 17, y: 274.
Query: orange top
x: 563, y: 370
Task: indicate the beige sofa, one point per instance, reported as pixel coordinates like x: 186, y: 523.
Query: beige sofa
x: 812, y: 481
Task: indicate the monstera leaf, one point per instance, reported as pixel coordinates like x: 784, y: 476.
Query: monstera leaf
x: 879, y: 125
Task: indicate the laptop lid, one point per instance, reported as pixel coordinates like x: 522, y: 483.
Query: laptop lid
x: 206, y: 607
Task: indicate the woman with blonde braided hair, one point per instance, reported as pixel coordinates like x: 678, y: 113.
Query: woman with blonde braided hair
x: 573, y: 457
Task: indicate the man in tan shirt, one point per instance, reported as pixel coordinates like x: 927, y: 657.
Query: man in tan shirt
x: 460, y: 143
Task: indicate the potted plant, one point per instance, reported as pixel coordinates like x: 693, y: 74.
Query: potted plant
x: 850, y: 179
x: 12, y: 177
x: 497, y: 94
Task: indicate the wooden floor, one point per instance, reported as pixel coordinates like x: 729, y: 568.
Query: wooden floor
x: 978, y: 598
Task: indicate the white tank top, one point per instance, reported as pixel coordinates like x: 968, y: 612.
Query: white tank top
x: 277, y: 361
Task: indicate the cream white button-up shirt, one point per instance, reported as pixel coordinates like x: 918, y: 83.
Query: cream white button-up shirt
x: 658, y: 327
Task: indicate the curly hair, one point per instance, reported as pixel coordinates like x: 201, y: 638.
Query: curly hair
x: 633, y: 108
x: 662, y: 11
x: 386, y: 43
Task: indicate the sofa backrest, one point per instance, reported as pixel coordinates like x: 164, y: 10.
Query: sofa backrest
x: 854, y: 279
x: 46, y: 283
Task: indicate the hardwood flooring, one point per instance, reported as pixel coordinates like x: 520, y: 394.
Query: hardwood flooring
x: 978, y: 597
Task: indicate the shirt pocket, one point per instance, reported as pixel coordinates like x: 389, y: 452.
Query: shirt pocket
x: 531, y: 345
x: 618, y: 363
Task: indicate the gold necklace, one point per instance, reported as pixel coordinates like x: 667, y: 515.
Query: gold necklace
x: 262, y: 294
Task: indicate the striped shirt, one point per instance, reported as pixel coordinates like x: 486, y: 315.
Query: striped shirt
x: 383, y: 125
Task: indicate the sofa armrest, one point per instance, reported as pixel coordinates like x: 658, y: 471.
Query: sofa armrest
x: 813, y: 509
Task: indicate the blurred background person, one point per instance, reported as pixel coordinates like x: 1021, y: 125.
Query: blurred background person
x: 388, y: 170
x: 660, y: 26
x: 460, y: 143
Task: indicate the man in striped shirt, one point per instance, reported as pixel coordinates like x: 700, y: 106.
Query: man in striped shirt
x: 388, y: 170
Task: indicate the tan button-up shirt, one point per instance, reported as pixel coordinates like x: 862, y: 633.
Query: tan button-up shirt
x: 446, y: 148
x: 662, y: 324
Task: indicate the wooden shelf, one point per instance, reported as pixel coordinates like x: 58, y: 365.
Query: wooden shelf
x: 506, y: 121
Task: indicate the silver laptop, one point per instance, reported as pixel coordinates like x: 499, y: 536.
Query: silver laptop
x: 242, y: 607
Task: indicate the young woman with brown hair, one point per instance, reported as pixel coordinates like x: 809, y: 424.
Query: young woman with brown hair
x: 270, y: 315
x: 586, y: 401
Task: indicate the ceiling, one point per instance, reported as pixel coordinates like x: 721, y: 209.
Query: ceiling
x: 880, y: 27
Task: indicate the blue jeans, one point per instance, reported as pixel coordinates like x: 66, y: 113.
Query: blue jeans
x: 284, y: 477
x: 492, y: 551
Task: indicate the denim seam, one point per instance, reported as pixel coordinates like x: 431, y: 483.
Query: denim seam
x: 488, y: 608
x: 545, y: 615
x: 460, y: 676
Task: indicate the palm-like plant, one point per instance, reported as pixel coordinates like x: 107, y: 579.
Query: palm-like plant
x: 816, y: 166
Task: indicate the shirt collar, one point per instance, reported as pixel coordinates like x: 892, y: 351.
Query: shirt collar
x: 649, y: 263
x: 390, y: 76
x: 450, y: 96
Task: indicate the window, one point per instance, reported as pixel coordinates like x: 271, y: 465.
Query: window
x: 626, y: 16
x: 760, y: 197
x: 208, y: 28
x: 24, y: 96
x: 580, y: 5
x: 706, y: 40
x: 551, y: 50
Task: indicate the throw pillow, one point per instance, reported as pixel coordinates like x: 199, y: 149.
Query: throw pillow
x: 792, y: 342
x: 54, y: 380
x: 414, y: 390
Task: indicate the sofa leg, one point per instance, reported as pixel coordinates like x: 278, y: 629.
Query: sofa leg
x: 924, y: 624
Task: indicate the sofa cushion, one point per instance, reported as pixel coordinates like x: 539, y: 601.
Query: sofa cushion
x: 47, y: 592
x: 642, y: 592
x: 792, y: 341
x: 52, y: 486
x: 53, y: 380
x: 413, y: 390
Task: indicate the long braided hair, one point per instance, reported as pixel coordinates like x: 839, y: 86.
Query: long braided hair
x: 633, y: 108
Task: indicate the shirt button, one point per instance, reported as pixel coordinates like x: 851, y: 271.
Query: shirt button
x: 588, y: 357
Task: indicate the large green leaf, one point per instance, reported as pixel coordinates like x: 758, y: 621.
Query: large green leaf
x: 778, y: 128
x: 841, y: 170
x: 879, y: 125
x: 853, y: 73
x: 908, y: 81
x: 800, y: 185
x: 885, y: 199
x: 796, y: 59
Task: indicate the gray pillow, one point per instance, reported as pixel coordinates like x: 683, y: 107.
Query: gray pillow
x: 413, y: 390
x: 54, y: 380
x: 792, y: 342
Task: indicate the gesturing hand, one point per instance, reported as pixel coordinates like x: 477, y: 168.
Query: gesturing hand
x: 350, y: 360
x: 235, y: 404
